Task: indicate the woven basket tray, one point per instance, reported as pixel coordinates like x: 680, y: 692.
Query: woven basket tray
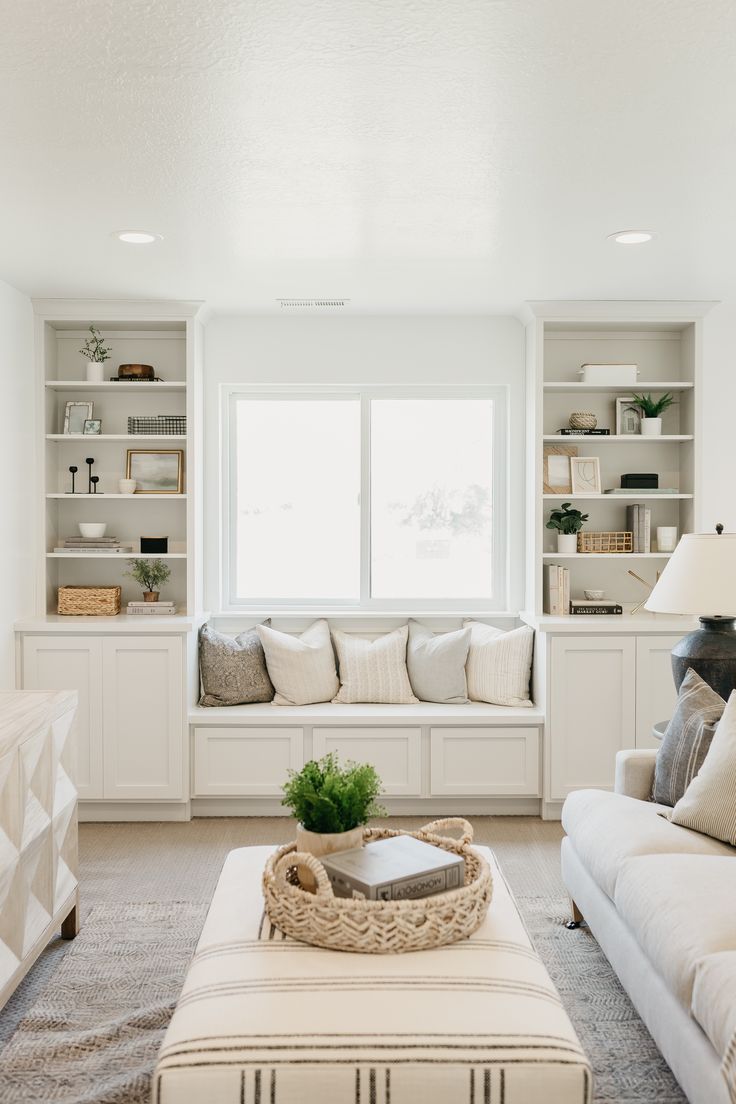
x: 378, y: 927
x: 103, y: 601
x: 605, y: 542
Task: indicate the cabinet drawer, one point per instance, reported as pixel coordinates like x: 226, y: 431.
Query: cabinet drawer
x: 489, y: 761
x: 234, y: 762
x: 394, y: 752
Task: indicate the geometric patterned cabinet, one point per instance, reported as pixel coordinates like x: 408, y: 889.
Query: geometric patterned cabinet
x: 39, y: 888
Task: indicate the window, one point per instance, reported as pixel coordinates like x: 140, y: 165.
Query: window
x: 378, y: 499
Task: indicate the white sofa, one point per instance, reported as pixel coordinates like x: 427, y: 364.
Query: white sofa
x: 661, y: 901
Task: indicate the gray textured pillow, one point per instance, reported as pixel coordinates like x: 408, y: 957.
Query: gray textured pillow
x: 687, y: 739
x: 436, y: 664
x: 232, y: 671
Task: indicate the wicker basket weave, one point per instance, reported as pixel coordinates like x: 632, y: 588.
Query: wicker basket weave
x: 605, y: 542
x: 378, y: 927
x: 103, y: 601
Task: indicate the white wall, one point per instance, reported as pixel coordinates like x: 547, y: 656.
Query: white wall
x: 363, y: 350
x: 718, y: 482
x: 17, y: 456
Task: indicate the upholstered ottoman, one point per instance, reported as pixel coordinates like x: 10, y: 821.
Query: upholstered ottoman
x: 265, y: 1020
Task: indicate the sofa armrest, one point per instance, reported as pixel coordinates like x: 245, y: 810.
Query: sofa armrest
x: 635, y: 773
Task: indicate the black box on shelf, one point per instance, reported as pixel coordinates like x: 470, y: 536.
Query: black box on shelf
x: 154, y: 545
x: 640, y: 481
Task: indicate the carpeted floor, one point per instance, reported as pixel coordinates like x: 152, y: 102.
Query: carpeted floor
x: 85, y: 1025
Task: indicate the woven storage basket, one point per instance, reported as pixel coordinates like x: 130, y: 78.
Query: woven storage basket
x: 98, y: 601
x: 605, y: 542
x: 378, y: 927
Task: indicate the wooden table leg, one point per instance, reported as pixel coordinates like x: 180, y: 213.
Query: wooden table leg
x: 70, y: 926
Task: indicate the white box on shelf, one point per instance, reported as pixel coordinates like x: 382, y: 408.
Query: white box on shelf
x: 615, y: 374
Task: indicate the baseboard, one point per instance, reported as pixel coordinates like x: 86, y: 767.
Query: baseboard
x: 121, y: 811
x: 398, y: 806
x: 552, y: 810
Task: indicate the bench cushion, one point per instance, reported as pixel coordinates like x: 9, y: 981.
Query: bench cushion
x: 264, y: 1018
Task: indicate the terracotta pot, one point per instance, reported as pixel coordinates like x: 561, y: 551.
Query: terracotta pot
x: 324, y: 843
x: 150, y: 595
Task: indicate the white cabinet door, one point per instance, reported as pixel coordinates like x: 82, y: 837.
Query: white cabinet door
x: 394, y: 752
x: 655, y: 686
x: 592, y: 710
x: 494, y: 761
x: 72, y: 663
x: 143, y: 717
x: 250, y: 762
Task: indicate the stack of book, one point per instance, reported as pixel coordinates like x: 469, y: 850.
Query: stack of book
x: 602, y: 606
x: 151, y: 609
x: 569, y: 432
x: 639, y: 523
x: 94, y: 544
x: 556, y: 590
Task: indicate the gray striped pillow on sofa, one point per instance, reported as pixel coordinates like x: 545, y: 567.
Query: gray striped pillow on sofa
x: 687, y: 739
x: 709, y: 803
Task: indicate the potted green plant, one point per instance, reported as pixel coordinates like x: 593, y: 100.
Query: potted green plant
x: 651, y: 412
x: 95, y: 353
x: 332, y: 803
x: 568, y: 522
x: 150, y: 574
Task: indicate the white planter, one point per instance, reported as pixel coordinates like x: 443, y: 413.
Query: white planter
x: 651, y: 427
x: 567, y: 543
x: 324, y: 843
x: 95, y: 371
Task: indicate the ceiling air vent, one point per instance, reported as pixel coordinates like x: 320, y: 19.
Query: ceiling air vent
x: 309, y: 303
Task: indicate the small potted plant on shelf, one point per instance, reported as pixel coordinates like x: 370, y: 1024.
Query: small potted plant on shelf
x: 150, y: 574
x: 95, y: 353
x: 332, y: 803
x: 568, y: 523
x: 651, y: 412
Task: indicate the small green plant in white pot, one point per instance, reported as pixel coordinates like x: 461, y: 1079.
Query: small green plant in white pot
x: 568, y: 522
x: 151, y: 574
x: 652, y: 411
x: 95, y: 353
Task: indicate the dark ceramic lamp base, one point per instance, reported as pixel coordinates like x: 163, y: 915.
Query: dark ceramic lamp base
x: 711, y: 652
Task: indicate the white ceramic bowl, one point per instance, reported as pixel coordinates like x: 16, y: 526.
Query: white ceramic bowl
x: 594, y: 595
x: 92, y: 529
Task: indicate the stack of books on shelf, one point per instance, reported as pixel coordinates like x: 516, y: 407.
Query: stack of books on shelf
x: 567, y: 431
x: 639, y: 523
x: 556, y: 590
x: 602, y: 606
x: 94, y: 544
x: 151, y: 609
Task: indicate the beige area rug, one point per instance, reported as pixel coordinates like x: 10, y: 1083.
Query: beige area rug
x: 85, y: 1026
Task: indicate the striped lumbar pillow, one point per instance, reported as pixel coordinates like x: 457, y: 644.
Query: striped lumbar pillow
x: 687, y: 739
x: 499, y: 664
x: 373, y: 670
x: 709, y: 803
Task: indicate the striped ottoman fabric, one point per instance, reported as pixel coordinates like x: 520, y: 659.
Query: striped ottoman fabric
x: 266, y: 1020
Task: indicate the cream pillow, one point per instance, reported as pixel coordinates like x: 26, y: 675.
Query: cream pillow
x: 499, y: 664
x: 709, y: 803
x: 301, y: 668
x: 373, y: 670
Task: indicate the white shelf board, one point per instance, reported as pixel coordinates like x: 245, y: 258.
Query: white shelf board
x: 115, y: 385
x: 606, y: 555
x: 630, y: 438
x: 586, y: 623
x: 627, y: 388
x: 101, y: 495
x: 116, y: 437
x: 123, y: 622
x: 635, y: 495
x: 116, y: 555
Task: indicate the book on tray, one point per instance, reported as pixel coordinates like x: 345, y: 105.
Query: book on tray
x: 401, y: 868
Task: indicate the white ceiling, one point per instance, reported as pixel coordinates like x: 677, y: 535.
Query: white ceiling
x: 410, y: 155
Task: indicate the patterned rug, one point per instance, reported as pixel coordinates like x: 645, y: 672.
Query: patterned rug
x: 93, y: 1031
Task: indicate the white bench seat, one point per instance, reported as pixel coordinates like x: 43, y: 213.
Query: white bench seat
x: 327, y: 713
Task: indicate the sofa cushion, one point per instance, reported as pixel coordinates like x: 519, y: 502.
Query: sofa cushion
x: 713, y: 1005
x: 608, y: 828
x: 436, y: 664
x: 687, y: 739
x: 499, y: 664
x: 232, y: 671
x: 709, y: 803
x: 302, y: 668
x: 373, y: 670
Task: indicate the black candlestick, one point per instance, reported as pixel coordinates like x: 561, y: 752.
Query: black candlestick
x: 89, y: 460
x: 73, y: 469
x: 94, y: 480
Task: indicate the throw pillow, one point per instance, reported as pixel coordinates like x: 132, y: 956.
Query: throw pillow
x: 302, y: 668
x: 709, y: 803
x: 373, y: 670
x: 232, y: 670
x: 436, y: 664
x: 687, y: 738
x: 499, y: 664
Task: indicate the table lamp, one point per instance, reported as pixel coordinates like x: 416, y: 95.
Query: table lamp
x: 700, y: 579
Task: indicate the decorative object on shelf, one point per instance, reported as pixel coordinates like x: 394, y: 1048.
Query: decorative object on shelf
x: 585, y: 475
x: 377, y: 927
x: 639, y: 521
x: 156, y: 471
x: 618, y: 375
x: 650, y: 587
x: 96, y: 601
x: 95, y: 353
x: 161, y: 424
x: 594, y: 595
x: 640, y: 481
x: 556, y: 478
x: 628, y: 417
x: 107, y: 546
x: 154, y: 545
x: 582, y: 420
x: 150, y: 574
x: 604, y: 543
x: 700, y: 580
x: 92, y: 426
x: 652, y: 410
x: 92, y: 529
x: 127, y: 486
x: 94, y: 480
x: 568, y: 522
x: 89, y: 461
x: 136, y: 372
x: 666, y: 538
x: 75, y: 415
x: 73, y: 469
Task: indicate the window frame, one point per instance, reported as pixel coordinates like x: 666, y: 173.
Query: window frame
x: 231, y: 602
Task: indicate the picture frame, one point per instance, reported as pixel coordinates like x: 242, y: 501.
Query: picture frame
x: 92, y: 426
x: 556, y: 477
x: 75, y: 415
x: 156, y: 471
x: 585, y: 475
x: 628, y: 417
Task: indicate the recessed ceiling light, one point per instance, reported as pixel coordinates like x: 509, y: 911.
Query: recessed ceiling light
x: 631, y: 237
x: 136, y: 237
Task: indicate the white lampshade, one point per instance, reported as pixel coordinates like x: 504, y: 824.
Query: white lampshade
x: 700, y: 578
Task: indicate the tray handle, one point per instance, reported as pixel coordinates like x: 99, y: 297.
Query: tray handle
x: 434, y: 830
x: 322, y: 887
